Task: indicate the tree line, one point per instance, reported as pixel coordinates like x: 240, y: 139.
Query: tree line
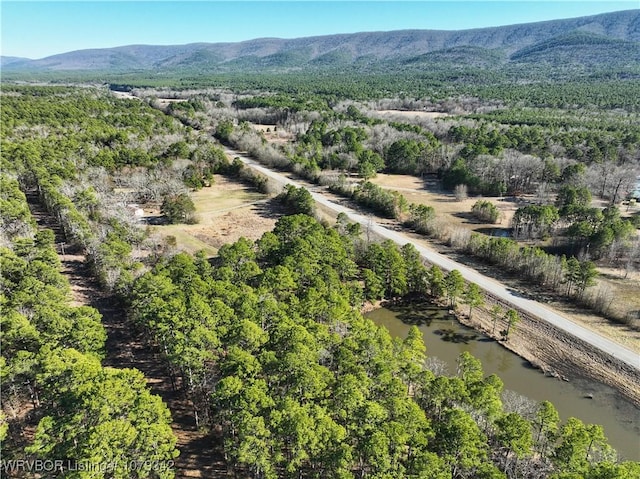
x: 88, y: 416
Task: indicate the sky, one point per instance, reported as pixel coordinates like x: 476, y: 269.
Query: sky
x: 35, y: 29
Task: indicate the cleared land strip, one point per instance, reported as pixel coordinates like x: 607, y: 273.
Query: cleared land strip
x: 491, y: 286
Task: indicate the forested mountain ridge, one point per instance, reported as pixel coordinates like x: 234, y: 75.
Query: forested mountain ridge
x: 599, y: 40
x: 5, y: 60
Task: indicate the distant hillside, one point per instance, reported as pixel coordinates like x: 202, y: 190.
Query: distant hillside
x: 599, y: 41
x: 579, y: 47
x: 9, y: 60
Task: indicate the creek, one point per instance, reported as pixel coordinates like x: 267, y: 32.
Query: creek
x: 587, y: 400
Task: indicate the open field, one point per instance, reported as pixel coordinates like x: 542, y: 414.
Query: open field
x: 626, y: 292
x: 226, y: 211
x: 427, y: 192
x: 404, y: 114
x: 273, y: 133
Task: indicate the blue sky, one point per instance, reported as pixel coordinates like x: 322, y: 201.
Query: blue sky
x: 37, y: 29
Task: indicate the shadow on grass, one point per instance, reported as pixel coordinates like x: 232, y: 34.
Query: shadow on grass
x: 468, y: 217
x: 499, y: 232
x: 272, y: 209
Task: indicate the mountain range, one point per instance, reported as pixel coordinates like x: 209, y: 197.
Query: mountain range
x: 610, y: 40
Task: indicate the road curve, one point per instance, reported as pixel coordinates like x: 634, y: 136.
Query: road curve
x: 491, y: 286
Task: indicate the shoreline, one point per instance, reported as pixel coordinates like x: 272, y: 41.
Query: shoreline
x: 553, y: 352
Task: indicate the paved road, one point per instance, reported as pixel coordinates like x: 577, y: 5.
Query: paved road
x: 495, y: 288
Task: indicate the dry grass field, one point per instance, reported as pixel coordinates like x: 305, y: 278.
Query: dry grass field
x: 427, y: 192
x: 226, y: 211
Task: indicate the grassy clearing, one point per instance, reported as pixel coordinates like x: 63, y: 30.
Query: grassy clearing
x: 458, y: 213
x: 224, y: 195
x: 185, y: 240
x: 626, y: 292
x: 226, y: 211
x: 273, y: 133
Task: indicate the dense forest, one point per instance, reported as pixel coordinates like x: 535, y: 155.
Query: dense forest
x: 266, y: 339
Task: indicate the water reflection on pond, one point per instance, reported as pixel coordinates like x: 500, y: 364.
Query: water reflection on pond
x: 590, y: 401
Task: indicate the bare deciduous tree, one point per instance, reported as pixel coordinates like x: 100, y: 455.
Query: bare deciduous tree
x: 521, y: 171
x: 610, y: 181
x: 437, y: 366
x: 461, y: 192
x: 516, y: 402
